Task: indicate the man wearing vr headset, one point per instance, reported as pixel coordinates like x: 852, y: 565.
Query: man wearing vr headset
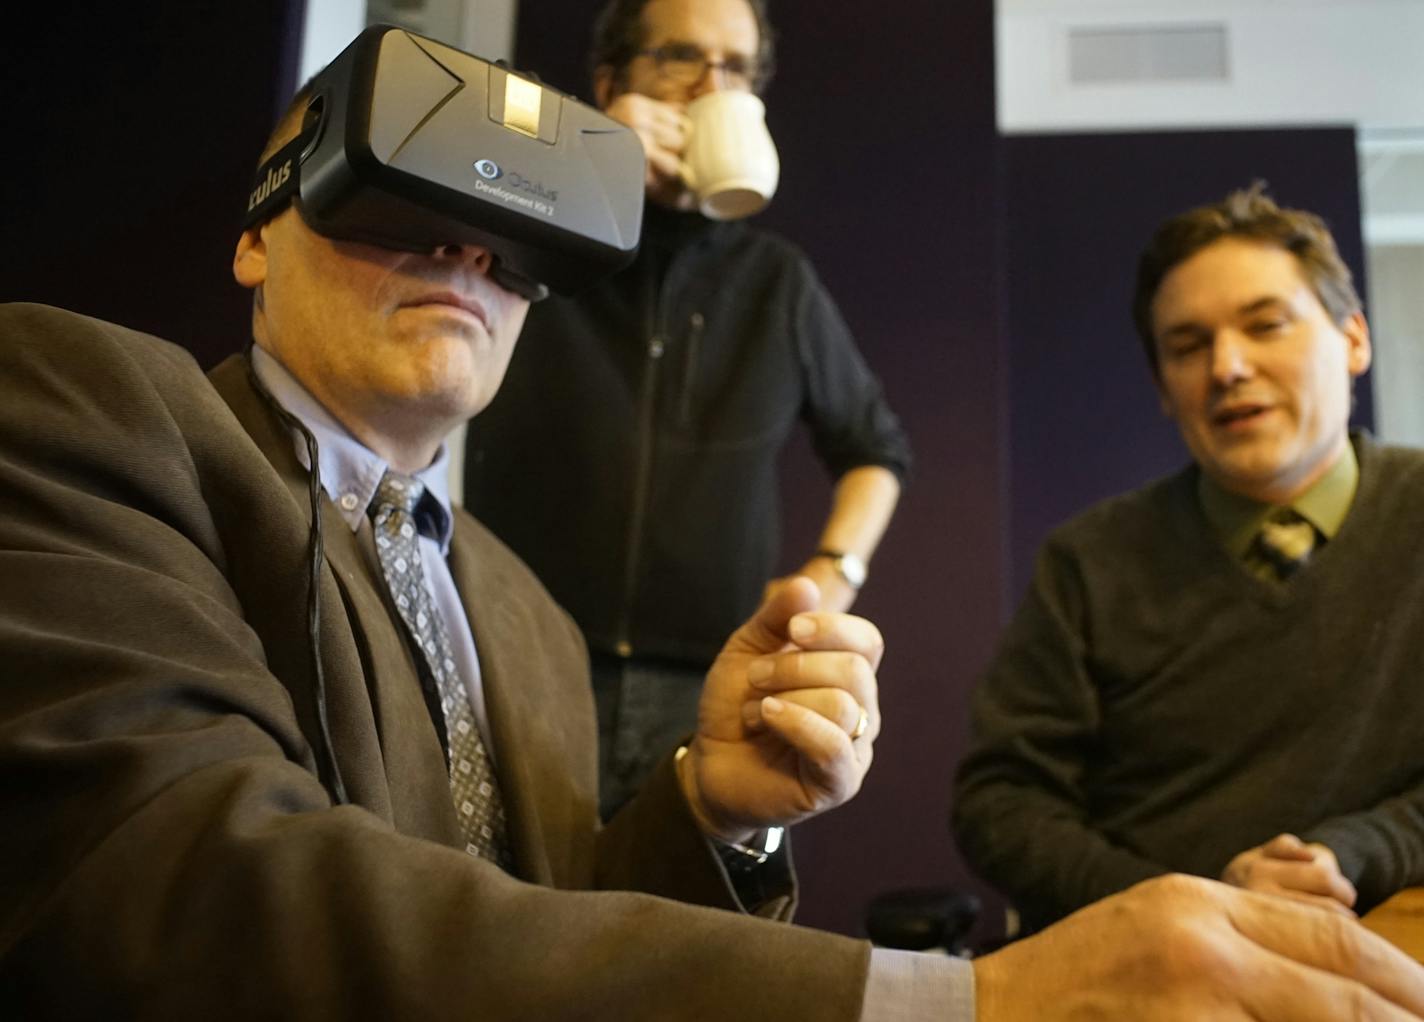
x: 631, y: 458
x: 222, y: 800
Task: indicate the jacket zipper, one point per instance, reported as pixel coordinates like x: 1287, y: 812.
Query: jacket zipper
x: 689, y: 369
x: 642, y: 478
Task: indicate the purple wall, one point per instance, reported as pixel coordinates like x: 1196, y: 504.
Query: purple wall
x: 886, y: 121
x: 132, y: 132
x: 884, y: 118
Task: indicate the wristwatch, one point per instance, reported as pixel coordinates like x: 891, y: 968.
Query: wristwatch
x: 848, y: 566
x: 740, y: 859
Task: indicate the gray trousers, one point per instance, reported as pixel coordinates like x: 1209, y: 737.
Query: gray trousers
x: 645, y: 708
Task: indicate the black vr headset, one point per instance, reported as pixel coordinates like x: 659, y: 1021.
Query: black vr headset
x: 410, y: 144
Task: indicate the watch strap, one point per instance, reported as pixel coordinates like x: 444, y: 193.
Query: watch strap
x: 850, y: 567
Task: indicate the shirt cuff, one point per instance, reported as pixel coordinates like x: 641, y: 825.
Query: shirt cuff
x: 910, y: 986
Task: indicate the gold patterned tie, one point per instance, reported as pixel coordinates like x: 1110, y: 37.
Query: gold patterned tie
x: 478, y: 804
x: 1286, y: 541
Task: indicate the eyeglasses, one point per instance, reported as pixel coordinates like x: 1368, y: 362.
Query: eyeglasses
x: 685, y: 64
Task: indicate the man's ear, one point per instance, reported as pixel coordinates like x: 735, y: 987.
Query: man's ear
x: 1358, y: 354
x: 249, y: 262
x: 605, y: 85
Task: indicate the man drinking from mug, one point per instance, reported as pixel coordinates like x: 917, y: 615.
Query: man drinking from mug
x: 631, y: 456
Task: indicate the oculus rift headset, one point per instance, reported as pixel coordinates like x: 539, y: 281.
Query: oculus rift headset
x: 410, y: 144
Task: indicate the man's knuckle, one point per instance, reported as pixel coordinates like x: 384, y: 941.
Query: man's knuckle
x: 1191, y: 953
x: 1356, y: 1003
x: 862, y: 676
x: 1178, y: 885
x: 1343, y: 942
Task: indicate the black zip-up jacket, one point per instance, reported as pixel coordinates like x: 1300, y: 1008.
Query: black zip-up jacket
x: 630, y: 457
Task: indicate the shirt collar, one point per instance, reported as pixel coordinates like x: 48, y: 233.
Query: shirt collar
x: 348, y: 470
x: 1236, y: 519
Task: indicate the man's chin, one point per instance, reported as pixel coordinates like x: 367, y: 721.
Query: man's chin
x: 434, y: 411
x: 436, y: 324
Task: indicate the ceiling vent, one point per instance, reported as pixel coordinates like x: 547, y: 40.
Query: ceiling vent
x: 1104, y: 55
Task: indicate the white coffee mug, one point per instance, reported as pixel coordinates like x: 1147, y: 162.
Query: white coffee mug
x: 730, y: 163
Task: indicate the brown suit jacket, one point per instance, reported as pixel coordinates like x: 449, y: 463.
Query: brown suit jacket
x: 167, y: 848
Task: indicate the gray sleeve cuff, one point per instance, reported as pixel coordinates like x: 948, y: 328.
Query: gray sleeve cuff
x: 910, y: 986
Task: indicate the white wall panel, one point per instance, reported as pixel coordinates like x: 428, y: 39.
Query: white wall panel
x: 1289, y: 62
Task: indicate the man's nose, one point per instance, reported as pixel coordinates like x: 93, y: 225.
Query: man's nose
x: 477, y: 255
x: 1230, y: 357
x: 714, y: 79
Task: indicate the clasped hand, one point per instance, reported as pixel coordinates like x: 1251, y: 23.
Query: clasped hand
x: 774, y: 741
x: 1288, y: 866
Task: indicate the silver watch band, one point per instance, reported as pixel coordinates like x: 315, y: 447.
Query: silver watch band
x: 848, y: 566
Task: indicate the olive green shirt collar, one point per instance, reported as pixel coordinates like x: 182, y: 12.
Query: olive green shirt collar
x: 1236, y: 519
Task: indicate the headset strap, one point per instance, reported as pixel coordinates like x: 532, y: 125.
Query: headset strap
x: 276, y: 182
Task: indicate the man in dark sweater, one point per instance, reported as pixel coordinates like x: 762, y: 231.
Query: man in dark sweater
x: 1217, y: 674
x: 632, y: 455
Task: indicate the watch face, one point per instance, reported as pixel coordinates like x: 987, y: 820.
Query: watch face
x: 852, y: 569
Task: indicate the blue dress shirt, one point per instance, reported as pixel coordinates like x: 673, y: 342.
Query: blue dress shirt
x: 349, y: 474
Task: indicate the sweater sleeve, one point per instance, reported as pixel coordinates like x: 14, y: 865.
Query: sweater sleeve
x: 851, y: 423
x: 1020, y: 813
x: 1380, y: 849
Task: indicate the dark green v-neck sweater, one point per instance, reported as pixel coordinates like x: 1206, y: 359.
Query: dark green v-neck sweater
x: 1155, y: 707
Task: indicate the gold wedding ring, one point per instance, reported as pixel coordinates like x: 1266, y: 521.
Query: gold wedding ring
x: 860, y: 725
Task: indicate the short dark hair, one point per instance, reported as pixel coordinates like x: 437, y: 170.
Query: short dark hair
x: 1250, y: 214
x: 618, y: 36
x: 289, y: 124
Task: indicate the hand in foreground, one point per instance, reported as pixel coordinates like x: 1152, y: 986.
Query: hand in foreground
x: 1288, y: 866
x: 1182, y: 949
x: 662, y: 128
x: 773, y: 742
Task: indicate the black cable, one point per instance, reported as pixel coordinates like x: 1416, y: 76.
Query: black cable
x: 315, y: 560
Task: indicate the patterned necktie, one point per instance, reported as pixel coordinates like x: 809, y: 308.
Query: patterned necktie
x: 478, y: 804
x: 1286, y: 541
